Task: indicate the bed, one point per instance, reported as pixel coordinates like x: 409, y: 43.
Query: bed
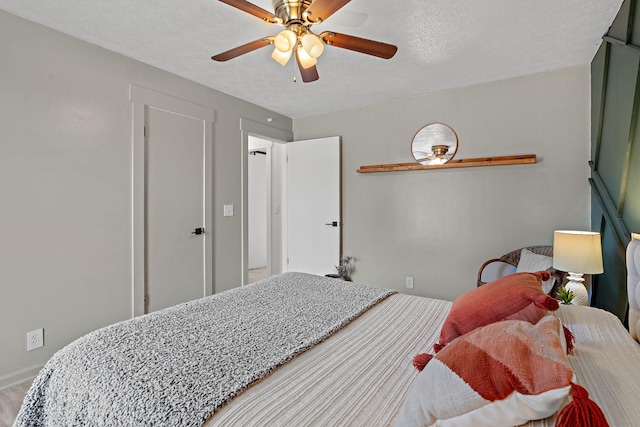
x: 298, y: 350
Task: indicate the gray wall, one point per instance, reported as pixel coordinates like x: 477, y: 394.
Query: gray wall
x: 65, y: 186
x: 440, y: 225
x: 65, y: 155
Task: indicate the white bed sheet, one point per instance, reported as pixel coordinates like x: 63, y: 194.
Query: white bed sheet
x: 361, y: 375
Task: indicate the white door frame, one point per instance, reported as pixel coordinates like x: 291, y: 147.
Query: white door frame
x: 259, y: 130
x: 140, y: 98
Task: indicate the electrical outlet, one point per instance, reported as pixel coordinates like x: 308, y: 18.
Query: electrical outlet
x: 409, y: 282
x: 35, y: 339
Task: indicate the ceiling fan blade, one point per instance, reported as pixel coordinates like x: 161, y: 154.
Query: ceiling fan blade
x: 320, y: 10
x: 308, y: 74
x: 369, y: 47
x: 241, y: 50
x: 252, y: 9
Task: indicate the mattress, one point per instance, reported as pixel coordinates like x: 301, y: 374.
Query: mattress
x: 361, y: 375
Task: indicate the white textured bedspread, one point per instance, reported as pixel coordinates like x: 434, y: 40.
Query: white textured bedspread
x: 175, y: 367
x: 358, y: 377
x: 361, y: 375
x: 606, y: 361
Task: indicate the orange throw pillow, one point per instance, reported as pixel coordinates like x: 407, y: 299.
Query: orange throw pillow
x: 518, y: 296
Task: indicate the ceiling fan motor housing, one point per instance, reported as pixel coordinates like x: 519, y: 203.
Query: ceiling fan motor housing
x: 291, y: 10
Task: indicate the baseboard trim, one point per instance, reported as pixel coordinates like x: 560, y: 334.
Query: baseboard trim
x: 20, y: 376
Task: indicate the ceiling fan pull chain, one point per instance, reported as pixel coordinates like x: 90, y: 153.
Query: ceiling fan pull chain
x: 295, y: 77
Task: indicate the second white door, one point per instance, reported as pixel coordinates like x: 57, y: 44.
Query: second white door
x: 313, y: 205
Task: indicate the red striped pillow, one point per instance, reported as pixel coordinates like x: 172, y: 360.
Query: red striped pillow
x: 503, y: 374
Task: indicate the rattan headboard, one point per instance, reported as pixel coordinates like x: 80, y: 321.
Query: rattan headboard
x: 633, y: 287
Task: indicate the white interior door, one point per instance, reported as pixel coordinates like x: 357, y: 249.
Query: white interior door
x: 172, y: 179
x: 174, y: 189
x: 313, y: 205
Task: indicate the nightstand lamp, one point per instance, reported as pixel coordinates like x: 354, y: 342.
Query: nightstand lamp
x: 578, y: 253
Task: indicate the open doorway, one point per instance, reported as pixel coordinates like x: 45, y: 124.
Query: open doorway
x: 250, y: 129
x: 265, y: 160
x: 258, y: 188
x: 278, y: 201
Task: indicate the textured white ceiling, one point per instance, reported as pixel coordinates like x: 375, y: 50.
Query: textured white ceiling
x: 441, y: 44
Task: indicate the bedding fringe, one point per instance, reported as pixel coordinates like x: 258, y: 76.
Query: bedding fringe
x: 582, y: 411
x: 569, y: 338
x: 421, y: 360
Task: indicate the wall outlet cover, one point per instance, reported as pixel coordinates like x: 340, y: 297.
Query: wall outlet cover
x: 409, y: 282
x: 35, y: 339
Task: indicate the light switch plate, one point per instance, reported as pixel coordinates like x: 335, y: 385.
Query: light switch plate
x: 228, y: 210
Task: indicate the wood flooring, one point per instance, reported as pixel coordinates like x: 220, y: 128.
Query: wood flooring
x: 256, y: 274
x: 10, y: 401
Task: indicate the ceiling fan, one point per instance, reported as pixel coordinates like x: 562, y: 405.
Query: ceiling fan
x: 297, y: 17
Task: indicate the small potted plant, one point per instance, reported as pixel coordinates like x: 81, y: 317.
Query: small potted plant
x: 344, y: 269
x: 565, y: 296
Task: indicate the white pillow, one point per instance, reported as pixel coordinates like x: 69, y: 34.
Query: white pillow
x: 531, y: 262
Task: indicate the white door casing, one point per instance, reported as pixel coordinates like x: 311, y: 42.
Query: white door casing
x: 163, y: 110
x: 313, y: 205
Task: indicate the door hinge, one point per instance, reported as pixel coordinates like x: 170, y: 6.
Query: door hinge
x: 144, y: 130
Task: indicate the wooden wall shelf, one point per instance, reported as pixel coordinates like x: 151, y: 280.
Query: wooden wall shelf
x: 460, y: 163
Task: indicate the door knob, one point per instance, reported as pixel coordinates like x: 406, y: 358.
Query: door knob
x: 198, y: 231
x: 333, y: 224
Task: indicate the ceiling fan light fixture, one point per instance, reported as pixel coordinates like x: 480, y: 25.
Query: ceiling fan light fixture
x: 296, y: 38
x: 285, y: 40
x: 306, y: 60
x: 281, y: 57
x: 312, y: 45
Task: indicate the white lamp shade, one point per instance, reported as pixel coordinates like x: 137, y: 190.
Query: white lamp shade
x: 305, y: 59
x: 312, y: 45
x: 285, y: 40
x: 577, y: 251
x: 281, y: 57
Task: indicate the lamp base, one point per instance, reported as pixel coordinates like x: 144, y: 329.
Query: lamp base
x: 575, y: 285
